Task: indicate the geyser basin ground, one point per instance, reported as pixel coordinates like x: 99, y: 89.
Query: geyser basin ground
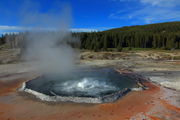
x: 92, y: 85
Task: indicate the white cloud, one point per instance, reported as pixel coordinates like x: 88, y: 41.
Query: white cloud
x: 15, y: 29
x: 150, y: 11
x: 4, y: 27
x: 165, y: 3
x: 151, y: 14
x: 153, y: 2
x: 83, y: 30
x: 122, y: 0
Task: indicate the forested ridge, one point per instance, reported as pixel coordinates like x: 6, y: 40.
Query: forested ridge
x: 161, y: 35
x: 157, y: 36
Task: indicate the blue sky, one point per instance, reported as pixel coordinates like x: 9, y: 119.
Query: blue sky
x: 90, y: 15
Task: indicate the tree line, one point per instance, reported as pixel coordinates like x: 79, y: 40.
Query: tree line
x: 161, y: 36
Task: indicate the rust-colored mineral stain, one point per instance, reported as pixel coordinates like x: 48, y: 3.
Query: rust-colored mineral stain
x: 169, y: 106
x: 123, y: 109
x: 154, y: 118
x: 8, y: 87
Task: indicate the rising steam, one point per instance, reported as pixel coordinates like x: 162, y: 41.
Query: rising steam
x: 48, y: 38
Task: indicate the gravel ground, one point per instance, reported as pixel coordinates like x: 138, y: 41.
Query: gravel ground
x: 155, y: 103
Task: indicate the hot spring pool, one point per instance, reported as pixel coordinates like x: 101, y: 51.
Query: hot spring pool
x: 88, y: 84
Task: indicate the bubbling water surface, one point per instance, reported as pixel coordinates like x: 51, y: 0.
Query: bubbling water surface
x: 89, y: 82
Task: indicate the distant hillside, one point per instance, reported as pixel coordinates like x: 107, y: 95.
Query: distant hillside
x: 161, y: 35
x: 154, y: 28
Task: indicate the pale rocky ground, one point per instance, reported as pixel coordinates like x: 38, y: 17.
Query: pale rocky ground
x: 159, y: 66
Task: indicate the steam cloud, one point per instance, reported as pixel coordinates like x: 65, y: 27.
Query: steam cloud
x: 47, y: 39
